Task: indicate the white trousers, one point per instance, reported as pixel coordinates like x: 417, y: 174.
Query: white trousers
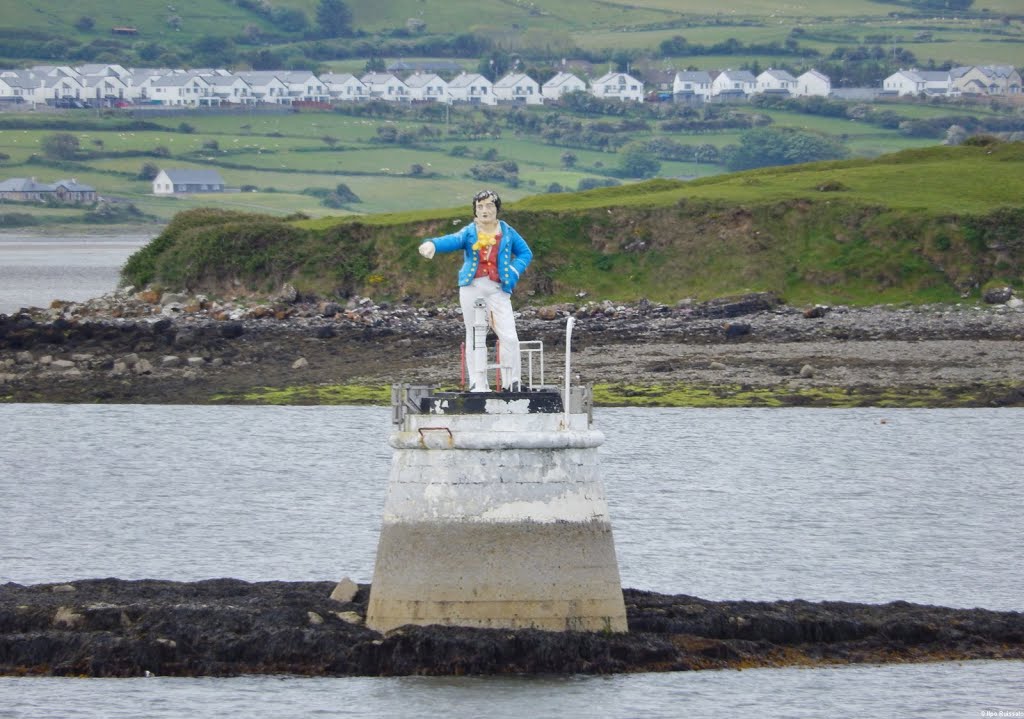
x: 499, y: 309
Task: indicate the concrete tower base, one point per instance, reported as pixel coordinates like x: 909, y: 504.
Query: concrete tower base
x: 496, y: 517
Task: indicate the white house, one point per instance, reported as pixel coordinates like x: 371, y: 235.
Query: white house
x: 737, y: 83
x: 472, y: 88
x: 518, y: 88
x: 231, y: 89
x: 142, y: 79
x: 182, y: 90
x: 20, y: 189
x: 57, y: 87
x: 15, y: 85
x: 617, y: 86
x: 776, y: 82
x: 560, y: 84
x: 304, y: 86
x: 813, y: 82
x: 986, y: 80
x: 266, y: 86
x: 105, y: 87
x: 691, y: 85
x: 385, y: 86
x: 427, y: 87
x: 344, y: 86
x: 172, y: 182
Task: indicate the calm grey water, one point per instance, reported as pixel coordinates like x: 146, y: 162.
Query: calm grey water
x: 37, y: 269
x: 862, y: 505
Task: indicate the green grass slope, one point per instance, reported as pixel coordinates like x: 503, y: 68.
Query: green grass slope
x: 916, y: 226
x: 49, y: 31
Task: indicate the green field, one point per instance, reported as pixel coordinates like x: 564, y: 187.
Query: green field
x: 989, y: 33
x: 286, y: 159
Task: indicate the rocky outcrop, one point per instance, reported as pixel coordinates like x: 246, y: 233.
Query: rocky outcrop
x: 146, y: 347
x: 223, y: 627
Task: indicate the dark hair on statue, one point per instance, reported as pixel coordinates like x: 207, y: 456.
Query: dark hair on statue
x: 487, y: 195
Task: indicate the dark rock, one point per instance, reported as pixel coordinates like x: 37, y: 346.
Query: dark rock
x: 161, y: 326
x: 186, y: 337
x: 222, y: 627
x: 736, y: 329
x: 727, y: 307
x: 232, y: 330
x: 998, y: 295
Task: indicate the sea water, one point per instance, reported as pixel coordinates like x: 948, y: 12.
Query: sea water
x: 865, y: 505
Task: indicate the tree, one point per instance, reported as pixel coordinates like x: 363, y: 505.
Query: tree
x: 375, y: 64
x: 60, y: 146
x: 148, y: 171
x: 955, y: 135
x: 333, y: 18
x: 568, y: 159
x: 85, y: 23
x: 345, y: 194
x: 635, y: 160
x: 289, y: 19
x: 769, y: 146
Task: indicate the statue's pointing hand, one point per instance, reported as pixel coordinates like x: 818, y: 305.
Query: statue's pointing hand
x: 427, y: 249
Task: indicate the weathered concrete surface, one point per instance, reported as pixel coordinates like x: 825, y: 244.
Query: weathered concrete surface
x: 553, y: 576
x: 223, y: 627
x: 496, y: 519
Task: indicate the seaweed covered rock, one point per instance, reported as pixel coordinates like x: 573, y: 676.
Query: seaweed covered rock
x: 224, y: 627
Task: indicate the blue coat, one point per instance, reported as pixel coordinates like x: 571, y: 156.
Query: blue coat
x: 513, y: 254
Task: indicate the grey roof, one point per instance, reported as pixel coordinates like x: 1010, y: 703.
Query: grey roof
x: 378, y: 78
x: 24, y: 184
x: 338, y: 78
x: 467, y: 79
x: 223, y: 80
x: 422, y: 80
x: 693, y: 76
x: 177, y: 80
x: 194, y: 177
x: 513, y: 79
x: 739, y: 75
x: 997, y: 70
x: 561, y: 79
x: 260, y: 77
x: 73, y: 185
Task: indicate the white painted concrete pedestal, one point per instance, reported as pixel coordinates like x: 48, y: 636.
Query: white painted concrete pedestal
x: 496, y: 516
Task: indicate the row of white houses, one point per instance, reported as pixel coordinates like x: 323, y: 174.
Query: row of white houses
x: 113, y: 83
x: 967, y: 80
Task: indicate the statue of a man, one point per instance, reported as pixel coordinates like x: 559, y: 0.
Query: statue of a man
x: 496, y: 256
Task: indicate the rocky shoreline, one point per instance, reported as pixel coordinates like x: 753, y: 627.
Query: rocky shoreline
x: 147, y: 347
x: 228, y: 627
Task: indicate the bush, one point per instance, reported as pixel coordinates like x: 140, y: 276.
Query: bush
x: 590, y: 183
x: 61, y: 146
x: 17, y: 219
x: 507, y: 172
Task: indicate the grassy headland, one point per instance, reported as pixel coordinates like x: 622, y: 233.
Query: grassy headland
x: 932, y: 225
